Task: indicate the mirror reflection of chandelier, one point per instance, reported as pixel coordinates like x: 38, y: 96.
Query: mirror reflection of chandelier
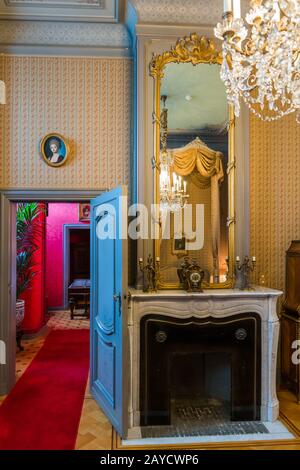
x: 173, y: 190
x: 261, y: 62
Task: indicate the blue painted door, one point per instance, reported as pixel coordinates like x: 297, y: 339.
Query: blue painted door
x: 109, y: 338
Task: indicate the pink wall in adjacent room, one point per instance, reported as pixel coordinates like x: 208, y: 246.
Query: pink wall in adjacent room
x: 59, y: 214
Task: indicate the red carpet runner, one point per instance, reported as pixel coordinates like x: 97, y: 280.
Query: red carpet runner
x: 43, y: 410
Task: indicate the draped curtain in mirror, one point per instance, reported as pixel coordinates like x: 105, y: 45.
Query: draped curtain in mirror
x: 205, y: 167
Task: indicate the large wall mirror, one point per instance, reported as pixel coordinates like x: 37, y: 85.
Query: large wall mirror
x: 194, y: 135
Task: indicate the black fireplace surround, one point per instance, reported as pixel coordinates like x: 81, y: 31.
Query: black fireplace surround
x: 200, y: 358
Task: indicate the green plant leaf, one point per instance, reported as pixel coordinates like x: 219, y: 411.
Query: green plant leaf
x: 29, y: 230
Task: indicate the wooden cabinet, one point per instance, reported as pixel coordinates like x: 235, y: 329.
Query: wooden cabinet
x: 290, y: 320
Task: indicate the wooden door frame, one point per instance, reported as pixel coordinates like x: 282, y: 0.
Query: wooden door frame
x: 8, y: 268
x: 66, y: 256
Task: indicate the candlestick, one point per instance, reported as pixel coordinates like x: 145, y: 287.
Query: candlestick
x: 184, y: 186
x: 227, y: 6
x: 277, y: 12
x: 237, y: 9
x: 151, y: 269
x: 245, y: 269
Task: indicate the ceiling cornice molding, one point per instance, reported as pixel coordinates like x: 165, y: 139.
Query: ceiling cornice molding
x: 172, y: 31
x: 180, y: 12
x: 70, y: 35
x: 100, y: 11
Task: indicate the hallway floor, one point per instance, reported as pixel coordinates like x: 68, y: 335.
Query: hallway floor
x: 95, y: 431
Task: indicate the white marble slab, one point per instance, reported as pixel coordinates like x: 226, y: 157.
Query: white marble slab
x: 257, y: 291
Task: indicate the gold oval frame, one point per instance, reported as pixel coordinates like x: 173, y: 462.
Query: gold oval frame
x: 42, y: 149
x: 196, y: 50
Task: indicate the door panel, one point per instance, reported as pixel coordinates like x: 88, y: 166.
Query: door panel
x: 106, y: 277
x: 109, y: 335
x: 106, y: 373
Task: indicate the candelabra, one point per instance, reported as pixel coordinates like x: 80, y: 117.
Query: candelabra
x: 261, y: 60
x: 173, y: 195
x: 151, y: 270
x: 245, y: 269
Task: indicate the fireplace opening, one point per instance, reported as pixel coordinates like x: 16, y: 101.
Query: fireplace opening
x: 200, y: 372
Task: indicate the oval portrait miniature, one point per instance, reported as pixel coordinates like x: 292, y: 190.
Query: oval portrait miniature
x: 54, y: 150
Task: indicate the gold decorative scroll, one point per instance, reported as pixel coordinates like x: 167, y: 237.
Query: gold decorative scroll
x: 191, y: 49
x: 208, y: 163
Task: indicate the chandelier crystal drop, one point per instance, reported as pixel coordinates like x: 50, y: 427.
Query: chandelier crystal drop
x: 261, y: 57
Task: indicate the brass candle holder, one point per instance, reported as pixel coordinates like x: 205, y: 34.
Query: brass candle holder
x: 151, y: 272
x: 245, y: 269
x: 227, y: 266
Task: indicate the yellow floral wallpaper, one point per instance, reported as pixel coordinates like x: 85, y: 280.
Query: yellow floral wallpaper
x: 87, y: 100
x: 274, y: 194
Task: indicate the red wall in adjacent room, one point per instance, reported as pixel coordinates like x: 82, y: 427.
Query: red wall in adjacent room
x: 58, y: 215
x: 35, y: 296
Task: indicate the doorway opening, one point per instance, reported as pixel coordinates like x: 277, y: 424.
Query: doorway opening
x: 56, y: 348
x: 56, y: 294
x: 76, y: 239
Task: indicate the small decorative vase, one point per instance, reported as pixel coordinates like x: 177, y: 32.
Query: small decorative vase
x: 20, y: 312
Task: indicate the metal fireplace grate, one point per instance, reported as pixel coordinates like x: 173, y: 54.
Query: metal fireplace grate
x: 202, y: 417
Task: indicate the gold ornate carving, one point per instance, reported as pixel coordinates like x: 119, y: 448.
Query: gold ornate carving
x: 192, y: 49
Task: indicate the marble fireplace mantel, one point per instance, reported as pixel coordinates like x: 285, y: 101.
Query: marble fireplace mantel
x: 217, y: 303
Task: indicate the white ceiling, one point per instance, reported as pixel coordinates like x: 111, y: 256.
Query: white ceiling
x: 207, y: 106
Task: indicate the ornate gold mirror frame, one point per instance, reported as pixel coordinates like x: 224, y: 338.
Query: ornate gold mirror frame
x: 195, y: 50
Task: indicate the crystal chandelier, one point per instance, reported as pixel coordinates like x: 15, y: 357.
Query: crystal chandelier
x: 261, y: 62
x: 173, y: 194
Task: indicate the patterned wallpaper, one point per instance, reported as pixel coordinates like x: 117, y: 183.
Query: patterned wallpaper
x: 274, y: 194
x: 88, y: 100
x: 63, y: 34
